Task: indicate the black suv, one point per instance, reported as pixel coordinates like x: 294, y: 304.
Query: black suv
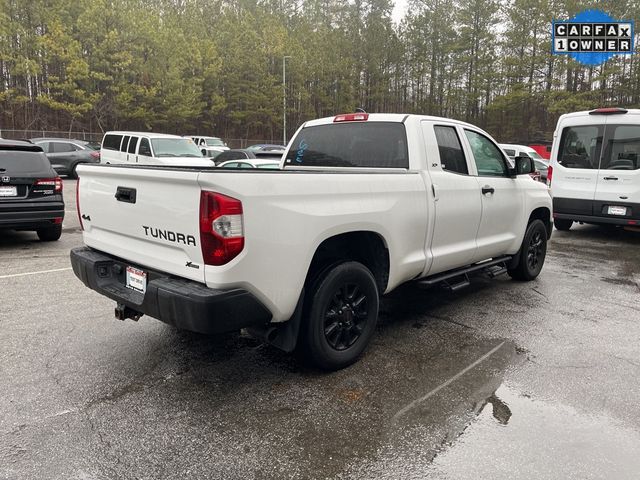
x: 30, y: 191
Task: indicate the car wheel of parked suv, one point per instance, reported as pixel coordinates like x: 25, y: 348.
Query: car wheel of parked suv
x: 341, y: 316
x: 532, y: 252
x: 562, y: 224
x: 50, y: 234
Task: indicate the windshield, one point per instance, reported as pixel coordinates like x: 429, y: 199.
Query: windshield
x: 215, y: 142
x: 175, y: 147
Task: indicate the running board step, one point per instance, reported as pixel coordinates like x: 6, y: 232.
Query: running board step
x: 493, y: 268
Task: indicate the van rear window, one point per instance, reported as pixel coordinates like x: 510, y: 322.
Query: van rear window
x: 358, y: 144
x: 580, y: 146
x: 622, y: 148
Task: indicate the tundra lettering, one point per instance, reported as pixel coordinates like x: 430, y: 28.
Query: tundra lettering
x: 170, y: 236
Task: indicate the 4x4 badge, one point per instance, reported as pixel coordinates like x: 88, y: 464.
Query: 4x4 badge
x: 6, y: 179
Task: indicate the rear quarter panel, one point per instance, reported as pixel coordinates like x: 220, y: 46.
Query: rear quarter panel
x: 288, y: 214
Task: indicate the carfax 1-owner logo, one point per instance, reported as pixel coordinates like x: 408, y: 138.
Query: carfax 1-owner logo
x: 592, y: 37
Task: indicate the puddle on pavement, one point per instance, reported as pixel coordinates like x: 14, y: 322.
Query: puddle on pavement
x: 515, y: 436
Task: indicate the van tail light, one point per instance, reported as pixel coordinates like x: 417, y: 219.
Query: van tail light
x: 221, y: 228
x: 56, y: 183
x: 549, y: 175
x: 78, y: 204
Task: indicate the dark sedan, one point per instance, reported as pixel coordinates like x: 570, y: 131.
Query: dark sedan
x: 30, y: 191
x: 65, y: 154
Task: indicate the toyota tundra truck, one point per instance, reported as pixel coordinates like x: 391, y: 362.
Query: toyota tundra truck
x: 300, y: 256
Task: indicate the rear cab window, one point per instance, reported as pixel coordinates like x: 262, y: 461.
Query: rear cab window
x: 353, y: 144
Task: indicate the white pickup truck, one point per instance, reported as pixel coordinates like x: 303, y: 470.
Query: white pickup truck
x: 300, y: 256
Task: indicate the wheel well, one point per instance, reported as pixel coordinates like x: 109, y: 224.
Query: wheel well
x: 367, y: 248
x: 544, y: 214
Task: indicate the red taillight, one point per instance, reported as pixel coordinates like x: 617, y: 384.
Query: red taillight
x: 57, y: 221
x: 549, y: 175
x: 221, y: 228
x: 351, y: 117
x: 78, y: 204
x: 95, y: 155
x: 56, y: 183
x: 608, y: 111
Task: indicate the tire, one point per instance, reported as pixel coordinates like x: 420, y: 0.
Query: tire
x: 562, y: 224
x: 532, y: 252
x: 73, y: 173
x: 50, y: 234
x: 332, y: 336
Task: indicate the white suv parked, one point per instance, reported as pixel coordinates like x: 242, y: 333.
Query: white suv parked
x: 150, y: 149
x: 595, y: 168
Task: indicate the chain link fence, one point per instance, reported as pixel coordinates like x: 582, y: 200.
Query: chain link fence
x: 27, y: 134
x: 97, y: 137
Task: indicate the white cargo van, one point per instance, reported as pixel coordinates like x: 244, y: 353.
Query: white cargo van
x: 595, y: 168
x: 150, y: 149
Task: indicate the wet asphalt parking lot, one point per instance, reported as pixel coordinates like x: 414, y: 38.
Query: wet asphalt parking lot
x: 503, y: 380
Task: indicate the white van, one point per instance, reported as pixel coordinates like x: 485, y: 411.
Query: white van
x: 209, y: 146
x: 595, y: 168
x: 151, y: 149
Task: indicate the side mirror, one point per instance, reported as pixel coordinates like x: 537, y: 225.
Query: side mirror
x: 524, y: 165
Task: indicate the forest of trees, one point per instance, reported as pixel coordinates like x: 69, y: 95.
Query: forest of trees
x: 215, y: 66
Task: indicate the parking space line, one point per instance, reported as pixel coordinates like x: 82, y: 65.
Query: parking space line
x: 13, y: 275
x: 418, y: 401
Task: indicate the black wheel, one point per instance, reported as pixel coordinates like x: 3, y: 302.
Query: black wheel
x: 73, y: 173
x: 50, y: 234
x: 341, y: 311
x: 532, y: 252
x: 562, y: 224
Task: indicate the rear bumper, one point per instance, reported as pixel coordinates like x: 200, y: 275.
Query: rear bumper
x: 595, y: 211
x: 31, y: 216
x: 183, y: 303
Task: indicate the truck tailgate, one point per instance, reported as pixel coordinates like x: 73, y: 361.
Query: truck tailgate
x: 147, y: 216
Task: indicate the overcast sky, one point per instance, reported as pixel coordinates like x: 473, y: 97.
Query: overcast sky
x: 399, y: 10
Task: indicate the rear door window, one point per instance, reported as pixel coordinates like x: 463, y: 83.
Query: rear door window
x: 580, y: 146
x: 622, y: 148
x: 451, y: 155
x: 510, y: 152
x: 358, y: 144
x: 112, y: 142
